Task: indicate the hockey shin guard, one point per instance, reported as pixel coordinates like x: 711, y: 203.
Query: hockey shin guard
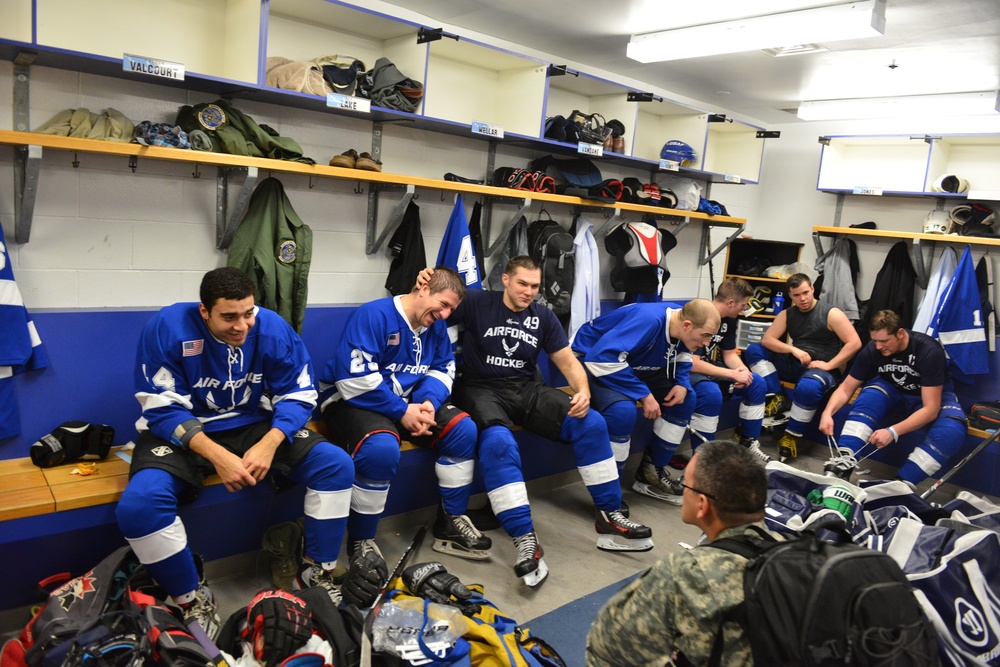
x: 147, y: 517
x: 328, y: 475
x: 594, y: 460
x: 501, y: 465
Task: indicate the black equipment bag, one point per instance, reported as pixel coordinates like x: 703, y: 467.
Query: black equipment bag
x: 551, y: 247
x: 985, y: 415
x: 813, y: 603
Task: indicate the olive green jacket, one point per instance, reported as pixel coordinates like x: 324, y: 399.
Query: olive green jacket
x: 274, y: 247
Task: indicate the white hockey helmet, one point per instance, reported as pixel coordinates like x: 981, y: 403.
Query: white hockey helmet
x: 950, y: 183
x: 937, y: 222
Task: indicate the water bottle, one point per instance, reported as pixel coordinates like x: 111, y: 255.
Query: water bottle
x: 778, y: 302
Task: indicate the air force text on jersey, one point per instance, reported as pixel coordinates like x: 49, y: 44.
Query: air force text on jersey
x: 518, y: 335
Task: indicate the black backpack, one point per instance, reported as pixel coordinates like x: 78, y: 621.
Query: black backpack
x: 551, y: 247
x: 813, y: 603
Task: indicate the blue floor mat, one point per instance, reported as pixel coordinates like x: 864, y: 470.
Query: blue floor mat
x: 566, y: 628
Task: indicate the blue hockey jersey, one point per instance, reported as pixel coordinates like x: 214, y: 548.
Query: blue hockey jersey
x: 501, y: 343
x: 631, y: 346
x: 958, y: 323
x: 183, y: 372
x: 457, y: 251
x: 20, y: 346
x: 382, y: 364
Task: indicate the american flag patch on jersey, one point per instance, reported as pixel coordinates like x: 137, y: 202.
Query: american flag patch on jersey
x: 393, y: 339
x: 192, y: 348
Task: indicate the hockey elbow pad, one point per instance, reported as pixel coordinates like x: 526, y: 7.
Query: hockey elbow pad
x: 73, y: 441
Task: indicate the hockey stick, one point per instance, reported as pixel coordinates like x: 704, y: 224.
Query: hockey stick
x: 948, y: 475
x: 200, y: 636
x: 366, y: 631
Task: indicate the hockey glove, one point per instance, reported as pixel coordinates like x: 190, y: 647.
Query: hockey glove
x: 278, y: 625
x: 364, y: 580
x: 432, y: 581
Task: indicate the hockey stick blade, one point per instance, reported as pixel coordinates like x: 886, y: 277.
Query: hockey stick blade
x: 200, y: 636
x: 366, y: 631
x: 948, y: 475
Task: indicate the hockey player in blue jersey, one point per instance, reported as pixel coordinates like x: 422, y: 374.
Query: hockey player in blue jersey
x: 392, y: 375
x: 718, y: 373
x: 226, y: 388
x: 821, y: 339
x: 642, y: 352
x: 903, y: 376
x: 500, y: 385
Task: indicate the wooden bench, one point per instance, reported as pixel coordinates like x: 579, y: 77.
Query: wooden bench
x: 27, y: 490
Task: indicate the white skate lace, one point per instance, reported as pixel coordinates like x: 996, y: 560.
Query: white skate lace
x: 464, y: 525
x: 755, y: 449
x: 526, y: 546
x: 843, y: 462
x: 616, y: 517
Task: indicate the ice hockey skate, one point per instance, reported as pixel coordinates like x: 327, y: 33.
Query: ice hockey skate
x: 616, y: 532
x: 456, y: 535
x: 530, y: 566
x: 776, y: 411
x: 842, y: 465
x: 656, y: 483
x: 788, y: 447
x: 753, y: 444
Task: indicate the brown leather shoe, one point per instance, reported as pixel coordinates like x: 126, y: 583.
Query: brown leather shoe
x: 347, y: 159
x: 366, y: 162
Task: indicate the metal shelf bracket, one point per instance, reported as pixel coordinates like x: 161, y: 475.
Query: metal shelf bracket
x: 372, y: 246
x: 27, y: 161
x: 225, y: 225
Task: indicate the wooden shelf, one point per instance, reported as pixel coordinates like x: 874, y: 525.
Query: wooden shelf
x: 888, y: 234
x: 225, y: 160
x: 762, y: 279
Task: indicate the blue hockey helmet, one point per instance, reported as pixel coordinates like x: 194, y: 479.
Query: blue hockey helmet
x: 678, y: 151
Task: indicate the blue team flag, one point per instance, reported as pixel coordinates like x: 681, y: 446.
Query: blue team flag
x: 457, y: 251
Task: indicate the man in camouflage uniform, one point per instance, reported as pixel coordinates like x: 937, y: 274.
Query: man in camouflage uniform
x: 673, y: 611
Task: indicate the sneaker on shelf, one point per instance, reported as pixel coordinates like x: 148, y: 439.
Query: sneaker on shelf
x: 842, y: 465
x: 753, y: 444
x: 616, y: 532
x: 455, y: 534
x: 204, y: 610
x: 313, y: 574
x: 529, y: 564
x: 656, y: 483
x: 788, y: 447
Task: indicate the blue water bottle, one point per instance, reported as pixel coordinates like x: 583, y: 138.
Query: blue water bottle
x: 778, y: 303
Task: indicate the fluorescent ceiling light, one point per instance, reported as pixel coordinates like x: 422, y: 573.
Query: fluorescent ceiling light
x: 956, y: 104
x: 865, y: 18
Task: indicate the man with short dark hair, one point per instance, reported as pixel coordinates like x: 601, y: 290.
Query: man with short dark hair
x: 820, y: 340
x: 226, y: 387
x: 392, y: 376
x: 673, y: 612
x: 718, y: 374
x: 642, y: 353
x: 501, y: 386
x: 904, y: 375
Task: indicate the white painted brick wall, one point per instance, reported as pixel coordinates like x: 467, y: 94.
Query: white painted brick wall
x: 104, y: 236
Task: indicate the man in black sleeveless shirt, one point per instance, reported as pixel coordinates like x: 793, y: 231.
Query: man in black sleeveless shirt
x: 820, y: 340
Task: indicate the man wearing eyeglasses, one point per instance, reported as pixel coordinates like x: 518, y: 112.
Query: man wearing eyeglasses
x: 672, y: 613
